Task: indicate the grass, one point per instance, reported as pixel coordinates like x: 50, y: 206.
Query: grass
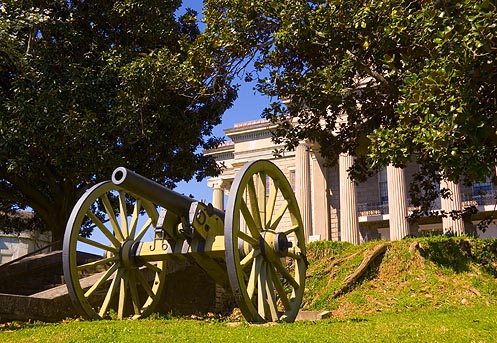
x: 464, y: 324
x: 434, y: 289
x: 427, y: 273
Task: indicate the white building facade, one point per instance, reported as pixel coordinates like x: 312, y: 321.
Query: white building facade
x: 335, y: 208
x: 15, y: 245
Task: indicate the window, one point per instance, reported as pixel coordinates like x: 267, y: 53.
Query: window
x: 383, y: 184
x: 482, y: 188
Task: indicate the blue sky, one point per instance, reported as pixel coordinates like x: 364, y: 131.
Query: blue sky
x: 248, y: 106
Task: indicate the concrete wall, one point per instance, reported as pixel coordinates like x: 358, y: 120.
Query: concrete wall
x: 13, y: 246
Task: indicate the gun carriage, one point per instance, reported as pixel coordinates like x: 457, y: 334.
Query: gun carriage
x: 256, y: 248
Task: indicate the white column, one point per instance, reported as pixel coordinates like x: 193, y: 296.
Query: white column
x: 218, y: 195
x: 453, y: 203
x: 397, y: 203
x: 303, y: 186
x: 349, y: 220
x: 321, y: 216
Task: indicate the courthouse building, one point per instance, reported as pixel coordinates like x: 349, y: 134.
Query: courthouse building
x: 335, y: 208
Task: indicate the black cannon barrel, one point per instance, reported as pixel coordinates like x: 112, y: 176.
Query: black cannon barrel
x: 152, y: 191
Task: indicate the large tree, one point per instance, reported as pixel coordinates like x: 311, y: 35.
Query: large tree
x: 416, y: 79
x: 87, y: 86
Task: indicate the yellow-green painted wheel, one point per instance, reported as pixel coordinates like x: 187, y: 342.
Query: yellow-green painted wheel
x: 101, y: 271
x: 265, y: 245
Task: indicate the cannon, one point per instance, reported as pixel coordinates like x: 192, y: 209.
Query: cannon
x: 134, y: 226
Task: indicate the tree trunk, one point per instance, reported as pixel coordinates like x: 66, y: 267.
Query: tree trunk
x: 57, y: 220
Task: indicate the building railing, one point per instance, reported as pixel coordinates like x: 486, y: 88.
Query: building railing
x: 379, y: 208
x: 374, y: 209
x: 487, y: 198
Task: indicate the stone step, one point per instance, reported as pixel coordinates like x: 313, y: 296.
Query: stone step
x: 313, y: 315
x: 28, y: 308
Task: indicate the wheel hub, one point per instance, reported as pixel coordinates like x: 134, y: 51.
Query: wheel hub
x: 127, y: 254
x: 274, y: 244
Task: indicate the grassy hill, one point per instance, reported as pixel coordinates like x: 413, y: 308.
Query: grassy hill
x: 434, y: 289
x: 421, y: 273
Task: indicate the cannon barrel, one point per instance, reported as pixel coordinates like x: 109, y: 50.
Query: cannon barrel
x: 152, y: 191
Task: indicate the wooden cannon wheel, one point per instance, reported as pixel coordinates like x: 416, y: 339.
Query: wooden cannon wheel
x: 111, y: 279
x: 265, y: 245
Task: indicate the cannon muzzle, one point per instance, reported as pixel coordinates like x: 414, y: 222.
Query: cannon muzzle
x: 152, y: 191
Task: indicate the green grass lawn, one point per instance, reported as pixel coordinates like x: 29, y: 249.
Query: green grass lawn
x: 459, y: 324
x: 414, y: 293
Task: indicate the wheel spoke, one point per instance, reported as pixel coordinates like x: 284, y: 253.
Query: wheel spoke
x: 97, y: 245
x: 247, y: 259
x: 250, y: 240
x: 123, y: 213
x: 152, y: 267
x: 261, y: 197
x: 103, y: 229
x: 134, y: 218
x: 292, y: 229
x: 262, y: 303
x: 108, y: 297
x: 270, y: 295
x: 282, y: 270
x: 143, y: 281
x: 96, y: 263
x: 143, y: 230
x: 122, y: 299
x: 134, y: 292
x: 249, y: 219
x: 281, y: 212
x: 254, y: 274
x: 254, y: 205
x: 273, y: 193
x: 279, y: 289
x: 112, y: 217
x: 102, y: 280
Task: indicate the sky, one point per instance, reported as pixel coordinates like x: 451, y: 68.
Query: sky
x: 248, y: 106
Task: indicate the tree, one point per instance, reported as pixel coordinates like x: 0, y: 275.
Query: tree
x: 87, y: 86
x: 416, y: 79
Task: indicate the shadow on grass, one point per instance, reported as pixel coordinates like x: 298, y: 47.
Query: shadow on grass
x: 448, y: 254
x: 347, y: 320
x: 13, y: 326
x: 457, y: 254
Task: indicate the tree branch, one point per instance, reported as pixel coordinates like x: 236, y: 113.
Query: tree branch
x: 37, y: 200
x: 11, y: 197
x: 377, y: 76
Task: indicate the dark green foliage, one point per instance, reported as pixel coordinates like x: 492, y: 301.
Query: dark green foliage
x: 87, y: 86
x: 416, y: 80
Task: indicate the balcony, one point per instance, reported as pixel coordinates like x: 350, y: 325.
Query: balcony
x: 487, y: 198
x: 372, y: 209
x: 376, y: 209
